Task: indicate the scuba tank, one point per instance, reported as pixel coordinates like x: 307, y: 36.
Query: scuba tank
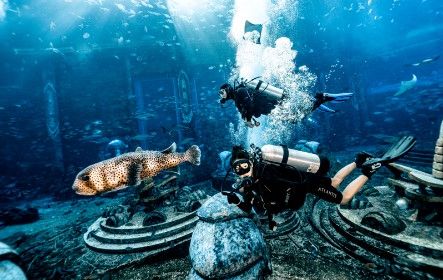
x: 281, y: 155
x: 265, y: 88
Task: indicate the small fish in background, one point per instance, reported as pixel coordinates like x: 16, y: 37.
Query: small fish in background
x: 130, y: 169
x: 187, y: 141
x: 424, y: 61
x: 174, y: 129
x: 406, y: 85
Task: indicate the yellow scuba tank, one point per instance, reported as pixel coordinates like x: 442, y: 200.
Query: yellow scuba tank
x: 281, y: 155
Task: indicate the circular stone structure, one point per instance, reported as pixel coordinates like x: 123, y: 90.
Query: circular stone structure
x: 287, y: 221
x: 415, y: 252
x: 227, y: 244
x: 136, y: 237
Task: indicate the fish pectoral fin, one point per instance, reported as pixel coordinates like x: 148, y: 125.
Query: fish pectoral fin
x: 170, y: 149
x: 138, y: 150
x: 134, y: 171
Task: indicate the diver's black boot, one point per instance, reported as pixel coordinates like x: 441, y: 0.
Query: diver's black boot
x: 250, y: 124
x: 256, y: 123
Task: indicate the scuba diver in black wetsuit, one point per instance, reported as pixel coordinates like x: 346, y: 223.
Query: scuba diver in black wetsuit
x: 255, y: 98
x: 275, y: 178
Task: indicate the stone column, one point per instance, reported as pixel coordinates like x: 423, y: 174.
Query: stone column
x: 437, y: 165
x: 52, y: 113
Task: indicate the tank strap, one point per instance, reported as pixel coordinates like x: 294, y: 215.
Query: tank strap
x: 285, y: 155
x: 258, y: 85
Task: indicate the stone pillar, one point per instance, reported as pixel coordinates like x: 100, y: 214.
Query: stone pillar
x: 139, y: 109
x: 52, y: 113
x: 437, y: 165
x: 227, y: 244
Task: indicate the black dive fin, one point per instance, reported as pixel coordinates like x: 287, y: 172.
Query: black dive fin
x: 395, y: 152
x: 134, y: 171
x: 400, y: 148
x: 170, y: 149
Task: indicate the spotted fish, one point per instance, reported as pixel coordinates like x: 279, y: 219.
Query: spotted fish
x: 130, y: 168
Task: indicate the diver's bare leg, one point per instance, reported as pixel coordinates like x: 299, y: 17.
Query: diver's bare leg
x: 342, y: 173
x: 353, y: 188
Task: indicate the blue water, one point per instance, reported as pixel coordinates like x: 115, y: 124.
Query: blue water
x: 115, y: 66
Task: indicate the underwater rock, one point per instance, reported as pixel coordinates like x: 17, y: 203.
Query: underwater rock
x: 402, y: 203
x: 383, y: 222
x: 225, y: 157
x: 9, y: 269
x: 188, y: 199
x: 153, y: 218
x: 307, y: 146
x: 371, y: 192
x: 226, y: 243
x: 357, y: 202
x: 313, y: 146
x: 15, y: 216
x: 118, y: 215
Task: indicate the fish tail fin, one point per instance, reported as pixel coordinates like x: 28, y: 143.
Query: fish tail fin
x: 193, y: 155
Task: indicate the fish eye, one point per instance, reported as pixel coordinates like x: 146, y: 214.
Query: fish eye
x: 84, y: 177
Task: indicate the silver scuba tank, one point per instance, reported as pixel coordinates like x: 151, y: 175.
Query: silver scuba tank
x: 265, y: 88
x: 281, y: 155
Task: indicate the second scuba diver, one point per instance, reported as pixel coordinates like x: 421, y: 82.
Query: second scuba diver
x: 255, y: 98
x: 275, y: 178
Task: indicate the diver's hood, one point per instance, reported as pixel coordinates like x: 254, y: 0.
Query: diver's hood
x: 229, y: 93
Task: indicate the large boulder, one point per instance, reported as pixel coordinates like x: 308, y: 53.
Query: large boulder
x: 227, y: 244
x: 9, y: 268
x: 384, y: 222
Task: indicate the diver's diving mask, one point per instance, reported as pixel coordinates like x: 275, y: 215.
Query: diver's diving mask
x: 241, y: 166
x: 223, y: 93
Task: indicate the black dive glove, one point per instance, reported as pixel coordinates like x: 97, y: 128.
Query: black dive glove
x: 361, y: 158
x: 369, y: 170
x: 232, y: 198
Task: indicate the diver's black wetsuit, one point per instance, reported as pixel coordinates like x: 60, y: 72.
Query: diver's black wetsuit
x: 276, y: 188
x: 252, y: 103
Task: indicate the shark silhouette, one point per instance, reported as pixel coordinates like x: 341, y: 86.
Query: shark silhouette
x: 406, y: 85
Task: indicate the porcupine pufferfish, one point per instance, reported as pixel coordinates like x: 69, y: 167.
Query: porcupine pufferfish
x: 130, y: 169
